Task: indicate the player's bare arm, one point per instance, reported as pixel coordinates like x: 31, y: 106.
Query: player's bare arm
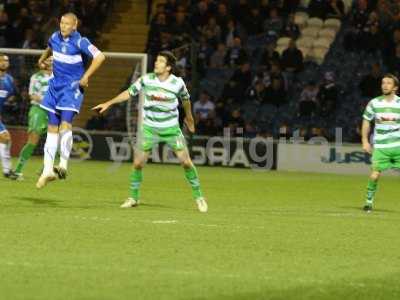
x: 124, y: 96
x: 45, y: 55
x: 189, y: 121
x: 95, y: 64
x: 365, y: 130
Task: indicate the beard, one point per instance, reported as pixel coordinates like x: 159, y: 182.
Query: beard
x: 387, y: 93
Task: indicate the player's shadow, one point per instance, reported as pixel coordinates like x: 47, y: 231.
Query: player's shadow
x: 38, y: 201
x: 375, y: 209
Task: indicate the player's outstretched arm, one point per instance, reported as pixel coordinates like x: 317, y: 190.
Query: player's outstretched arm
x: 46, y: 54
x: 189, y: 121
x: 365, y: 130
x: 94, y: 65
x: 124, y: 96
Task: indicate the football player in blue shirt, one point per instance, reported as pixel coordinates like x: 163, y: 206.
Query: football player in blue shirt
x: 7, y: 93
x: 65, y: 94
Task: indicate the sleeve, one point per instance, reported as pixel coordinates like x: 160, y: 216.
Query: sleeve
x: 12, y: 89
x: 369, y: 112
x: 33, y: 86
x: 88, y: 48
x: 50, y: 41
x: 183, y: 93
x: 135, y: 88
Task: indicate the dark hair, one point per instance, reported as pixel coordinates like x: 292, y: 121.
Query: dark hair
x: 394, y: 78
x: 171, y: 59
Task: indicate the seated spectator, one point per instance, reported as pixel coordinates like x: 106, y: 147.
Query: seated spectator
x: 235, y: 123
x: 217, y: 59
x: 256, y: 93
x: 236, y: 54
x: 358, y: 19
x: 308, y: 100
x: 276, y: 72
x: 242, y: 80
x: 274, y: 24
x: 181, y: 29
x: 204, y: 113
x: 160, y: 9
x: 292, y: 58
x: 222, y: 16
x: 231, y: 32
x: 199, y: 17
x: 370, y: 37
x: 291, y: 29
x: 30, y: 41
x: 212, y: 32
x: 276, y: 94
x: 328, y: 95
x: 203, y: 55
x: 270, y: 56
x: 153, y: 38
x: 370, y: 84
x: 253, y: 23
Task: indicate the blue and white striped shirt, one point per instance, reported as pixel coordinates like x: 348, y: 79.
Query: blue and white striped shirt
x: 68, y: 63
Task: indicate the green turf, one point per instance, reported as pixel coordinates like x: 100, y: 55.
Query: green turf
x: 268, y: 235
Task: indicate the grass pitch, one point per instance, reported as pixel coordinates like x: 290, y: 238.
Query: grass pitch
x: 267, y: 235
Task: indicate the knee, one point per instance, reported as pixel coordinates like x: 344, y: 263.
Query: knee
x: 52, y: 129
x: 33, y: 138
x: 65, y: 126
x: 187, y: 163
x: 138, y: 164
x: 374, y: 176
x: 5, y: 137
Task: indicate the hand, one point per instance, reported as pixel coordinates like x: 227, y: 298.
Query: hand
x: 189, y: 124
x: 101, y: 107
x: 367, y: 147
x: 84, y: 82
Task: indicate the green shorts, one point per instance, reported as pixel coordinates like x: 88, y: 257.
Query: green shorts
x: 38, y: 120
x: 385, y: 159
x: 172, y: 136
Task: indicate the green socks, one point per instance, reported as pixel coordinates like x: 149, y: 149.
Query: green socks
x: 136, y: 179
x: 193, y: 178
x: 190, y: 174
x: 24, y: 155
x: 371, y: 190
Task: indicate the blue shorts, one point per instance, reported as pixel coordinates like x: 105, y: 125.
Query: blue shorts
x: 63, y: 95
x: 2, y: 128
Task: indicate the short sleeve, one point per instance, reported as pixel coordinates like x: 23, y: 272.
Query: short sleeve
x: 135, y: 88
x: 88, y: 48
x: 183, y: 93
x: 369, y: 112
x: 33, y: 85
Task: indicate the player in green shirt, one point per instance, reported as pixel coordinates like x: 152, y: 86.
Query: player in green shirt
x: 162, y: 91
x: 385, y: 112
x: 37, y: 117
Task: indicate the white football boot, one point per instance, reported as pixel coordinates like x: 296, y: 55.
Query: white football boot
x: 130, y: 202
x: 202, y: 204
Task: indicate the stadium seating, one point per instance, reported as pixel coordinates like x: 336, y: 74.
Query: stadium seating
x: 315, y: 22
x: 332, y: 23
